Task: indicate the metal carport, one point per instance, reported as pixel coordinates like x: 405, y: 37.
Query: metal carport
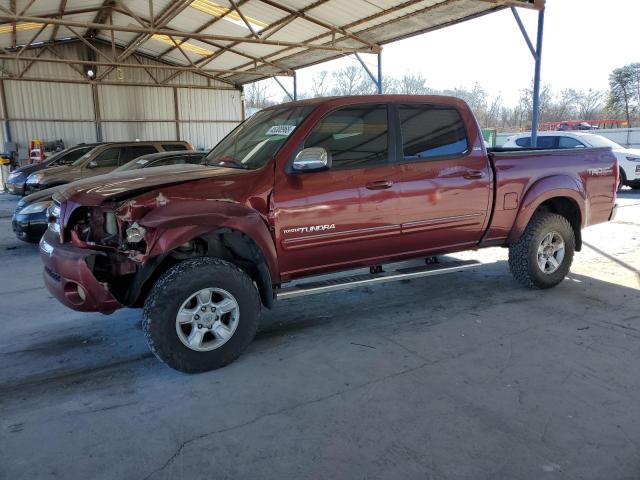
x: 204, y: 45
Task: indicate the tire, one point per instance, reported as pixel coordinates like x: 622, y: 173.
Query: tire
x: 170, y: 295
x: 524, y: 258
x: 623, y: 180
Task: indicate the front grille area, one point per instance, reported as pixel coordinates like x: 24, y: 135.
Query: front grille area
x: 52, y: 274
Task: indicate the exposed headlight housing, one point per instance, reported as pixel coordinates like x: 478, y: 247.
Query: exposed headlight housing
x: 36, y: 207
x: 135, y: 233
x: 53, y: 217
x: 35, y: 178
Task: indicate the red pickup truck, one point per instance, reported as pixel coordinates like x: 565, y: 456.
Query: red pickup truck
x: 309, y: 188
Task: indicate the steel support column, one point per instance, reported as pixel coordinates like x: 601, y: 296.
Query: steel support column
x: 295, y: 86
x: 537, y: 57
x: 536, y: 81
x: 96, y: 112
x: 380, y: 72
x: 295, y: 93
x: 5, y: 114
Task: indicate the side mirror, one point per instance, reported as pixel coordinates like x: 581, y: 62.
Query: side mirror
x: 312, y: 160
x: 92, y: 164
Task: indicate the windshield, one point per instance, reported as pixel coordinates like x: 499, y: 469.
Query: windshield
x: 598, y: 141
x: 255, y: 141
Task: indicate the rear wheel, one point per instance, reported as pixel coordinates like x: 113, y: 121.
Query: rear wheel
x: 201, y: 315
x: 623, y: 180
x: 543, y: 255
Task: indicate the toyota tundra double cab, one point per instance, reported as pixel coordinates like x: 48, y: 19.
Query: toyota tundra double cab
x: 309, y: 188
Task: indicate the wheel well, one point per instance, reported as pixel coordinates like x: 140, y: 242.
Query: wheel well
x: 231, y: 245
x: 569, y: 209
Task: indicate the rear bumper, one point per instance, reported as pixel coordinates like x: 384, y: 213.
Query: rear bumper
x: 68, y: 277
x: 29, y: 228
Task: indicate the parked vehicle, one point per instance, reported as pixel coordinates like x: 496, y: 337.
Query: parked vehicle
x: 30, y: 217
x: 100, y: 160
x: 309, y: 188
x: 17, y: 178
x: 628, y: 158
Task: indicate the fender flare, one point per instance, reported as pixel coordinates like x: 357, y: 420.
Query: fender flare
x: 544, y: 189
x: 181, y: 221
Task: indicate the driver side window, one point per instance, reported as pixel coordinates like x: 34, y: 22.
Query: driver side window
x: 108, y: 158
x: 355, y: 137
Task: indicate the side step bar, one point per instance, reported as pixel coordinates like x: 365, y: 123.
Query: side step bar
x: 353, y: 281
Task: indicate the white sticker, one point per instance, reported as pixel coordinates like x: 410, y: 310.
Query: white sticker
x: 281, y: 130
x: 142, y: 162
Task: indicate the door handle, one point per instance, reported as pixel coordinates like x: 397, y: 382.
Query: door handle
x: 379, y: 185
x: 474, y: 174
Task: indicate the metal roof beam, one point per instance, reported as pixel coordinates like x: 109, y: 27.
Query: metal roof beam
x: 197, y: 36
x: 129, y: 65
x: 205, y: 26
x: 333, y: 28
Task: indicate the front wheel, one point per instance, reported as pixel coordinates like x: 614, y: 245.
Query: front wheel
x: 201, y: 315
x: 543, y: 255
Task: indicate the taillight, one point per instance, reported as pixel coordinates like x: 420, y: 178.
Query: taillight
x: 616, y: 171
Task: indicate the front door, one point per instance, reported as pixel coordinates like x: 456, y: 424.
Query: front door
x: 104, y: 162
x: 348, y: 213
x: 445, y: 182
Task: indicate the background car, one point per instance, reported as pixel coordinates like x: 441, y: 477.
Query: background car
x: 100, y: 160
x: 17, y: 179
x: 30, y: 217
x: 628, y: 158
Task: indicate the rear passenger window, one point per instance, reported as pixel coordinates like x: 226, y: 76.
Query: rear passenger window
x: 568, y: 142
x: 354, y: 136
x: 173, y: 147
x: 543, y: 142
x: 430, y: 131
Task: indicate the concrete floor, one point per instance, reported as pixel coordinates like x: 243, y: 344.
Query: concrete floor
x: 465, y: 376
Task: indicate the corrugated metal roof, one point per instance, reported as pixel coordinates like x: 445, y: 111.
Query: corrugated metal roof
x: 243, y: 40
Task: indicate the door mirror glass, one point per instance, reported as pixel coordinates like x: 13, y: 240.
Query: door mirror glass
x: 312, y: 160
x: 92, y: 164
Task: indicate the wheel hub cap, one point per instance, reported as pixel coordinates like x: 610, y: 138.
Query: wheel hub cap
x: 551, y: 252
x: 207, y: 319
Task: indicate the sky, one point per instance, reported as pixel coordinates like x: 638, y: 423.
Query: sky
x: 583, y: 41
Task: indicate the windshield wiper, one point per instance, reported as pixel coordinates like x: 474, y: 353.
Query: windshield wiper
x: 230, y: 161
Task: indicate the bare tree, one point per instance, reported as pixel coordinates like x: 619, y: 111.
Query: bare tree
x: 412, y: 84
x: 257, y: 95
x: 589, y: 103
x: 320, y: 85
x: 351, y: 80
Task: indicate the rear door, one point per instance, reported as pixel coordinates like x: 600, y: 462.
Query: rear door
x: 135, y: 151
x: 445, y: 180
x: 346, y: 214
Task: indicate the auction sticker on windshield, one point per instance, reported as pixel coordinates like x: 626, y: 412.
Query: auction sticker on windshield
x: 281, y: 130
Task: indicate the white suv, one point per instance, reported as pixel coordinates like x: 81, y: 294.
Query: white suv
x: 628, y: 158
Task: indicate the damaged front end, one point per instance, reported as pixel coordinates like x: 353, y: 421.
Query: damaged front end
x: 122, y: 263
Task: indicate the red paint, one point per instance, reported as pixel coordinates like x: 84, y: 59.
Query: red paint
x: 318, y: 222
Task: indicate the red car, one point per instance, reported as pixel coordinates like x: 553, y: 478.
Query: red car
x: 308, y: 188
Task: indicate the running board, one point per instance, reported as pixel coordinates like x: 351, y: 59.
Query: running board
x: 353, y: 281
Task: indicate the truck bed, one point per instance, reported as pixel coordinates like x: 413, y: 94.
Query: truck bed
x: 587, y: 172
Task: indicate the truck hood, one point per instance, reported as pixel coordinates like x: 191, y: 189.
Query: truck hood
x: 96, y: 190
